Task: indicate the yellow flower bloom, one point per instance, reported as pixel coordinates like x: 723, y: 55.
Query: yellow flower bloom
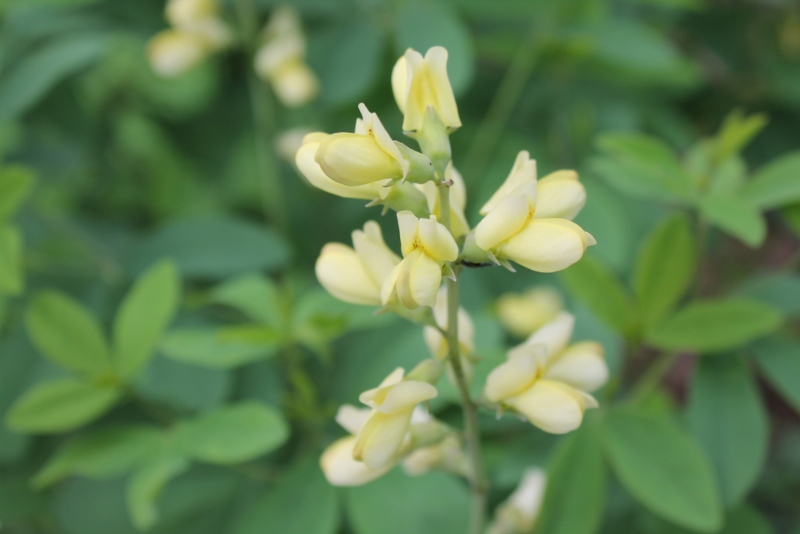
x: 380, y: 439
x: 172, y: 52
x: 281, y: 59
x: 337, y: 461
x: 458, y: 200
x: 518, y: 514
x: 523, y: 314
x: 426, y: 245
x: 547, y: 381
x: 513, y: 230
x: 418, y: 83
x: 356, y: 274
x: 183, y: 12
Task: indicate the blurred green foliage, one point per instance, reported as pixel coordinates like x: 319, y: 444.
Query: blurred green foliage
x: 169, y: 364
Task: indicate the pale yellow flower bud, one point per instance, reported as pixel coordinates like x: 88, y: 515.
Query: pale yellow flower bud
x: 356, y: 274
x: 523, y: 314
x: 436, y: 342
x: 418, y: 83
x: 182, y: 12
x: 519, y: 513
x: 511, y: 229
x: 281, y: 59
x: 173, y: 52
x: 426, y: 245
x: 547, y: 381
x: 380, y: 439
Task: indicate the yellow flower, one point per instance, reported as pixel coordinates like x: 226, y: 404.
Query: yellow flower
x: 458, y: 200
x: 337, y: 461
x: 523, y: 314
x: 426, y: 246
x: 380, y: 439
x: 513, y: 227
x: 356, y: 274
x: 280, y: 59
x: 420, y: 82
x: 172, y: 52
x: 199, y: 18
x: 547, y: 381
x: 518, y: 514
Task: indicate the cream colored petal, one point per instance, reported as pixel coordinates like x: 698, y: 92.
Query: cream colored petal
x: 511, y: 378
x: 343, y: 275
x: 560, y: 195
x: 523, y: 171
x: 352, y: 418
x: 172, y: 52
x: 506, y: 219
x: 436, y: 342
x: 528, y: 496
x: 379, y: 440
x: 437, y: 240
x: 581, y: 365
x: 425, y: 277
x: 523, y: 314
x: 546, y: 245
x: 306, y: 162
x: 377, y: 131
x: 552, y: 406
x: 400, y: 83
x: 406, y: 395
x: 389, y: 287
x: 377, y: 258
x: 423, y: 460
x: 443, y: 98
x: 395, y: 377
x: 408, y: 224
x: 458, y: 191
x: 353, y: 159
x: 375, y: 396
x: 179, y: 12
x: 294, y: 83
x: 553, y: 337
x: 341, y: 469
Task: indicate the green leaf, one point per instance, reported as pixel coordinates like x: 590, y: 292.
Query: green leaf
x: 144, y: 314
x: 779, y: 360
x: 304, y: 488
x: 745, y: 520
x: 643, y: 166
x: 33, y: 75
x: 775, y: 184
x: 736, y: 217
x: 777, y: 290
x: 212, y: 247
x: 729, y: 421
x: 65, y: 333
x: 146, y: 485
x: 596, y: 286
x: 576, y: 489
x: 421, y: 25
x: 663, y: 468
x: 11, y: 270
x: 347, y: 60
x: 58, y: 406
x: 254, y: 295
x: 715, y: 325
x: 221, y: 348
x: 103, y: 453
x: 736, y: 132
x: 435, y: 503
x: 15, y: 185
x: 233, y: 434
x: 664, y: 268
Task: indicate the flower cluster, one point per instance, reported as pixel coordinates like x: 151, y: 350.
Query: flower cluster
x: 196, y: 32
x: 527, y: 221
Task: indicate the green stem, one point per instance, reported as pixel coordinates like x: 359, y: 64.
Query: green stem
x: 263, y: 120
x: 471, y: 429
x: 650, y: 380
x: 502, y: 105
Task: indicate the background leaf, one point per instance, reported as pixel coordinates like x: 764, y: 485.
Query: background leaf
x: 775, y: 184
x: 715, y: 325
x: 729, y: 421
x: 146, y: 485
x: 11, y: 269
x: 221, y: 348
x: 736, y: 217
x: 663, y: 468
x: 779, y: 360
x: 15, y: 184
x: 253, y: 295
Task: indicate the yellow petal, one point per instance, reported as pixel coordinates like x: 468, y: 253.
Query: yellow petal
x: 546, y: 245
x: 307, y: 164
x: 581, y: 365
x: 294, y: 83
x: 377, y: 258
x: 389, y: 287
x: 405, y: 395
x: 560, y: 195
x: 400, y: 79
x: 375, y: 129
x: 172, y: 52
x: 351, y: 418
x: 353, y: 159
x: 425, y: 277
x: 380, y: 439
x: 511, y: 378
x: 344, y: 276
x: 552, y: 406
x: 341, y: 469
x: 523, y: 172
x: 506, y: 219
x: 408, y: 224
x: 180, y: 12
x: 552, y: 337
x: 437, y: 240
x: 428, y: 85
x: 525, y: 313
